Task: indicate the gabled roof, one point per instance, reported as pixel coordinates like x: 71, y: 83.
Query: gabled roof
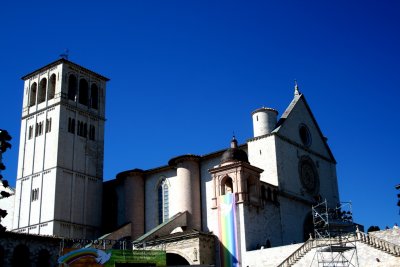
x: 163, y: 229
x: 287, y: 113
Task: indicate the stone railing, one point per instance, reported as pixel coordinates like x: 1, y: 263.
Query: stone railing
x: 298, y: 253
x: 378, y: 243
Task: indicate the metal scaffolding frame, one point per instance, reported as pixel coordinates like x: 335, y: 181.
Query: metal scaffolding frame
x: 335, y: 233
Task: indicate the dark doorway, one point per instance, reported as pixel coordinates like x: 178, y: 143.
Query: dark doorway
x: 308, y: 227
x: 175, y: 259
x: 21, y: 256
x: 43, y: 259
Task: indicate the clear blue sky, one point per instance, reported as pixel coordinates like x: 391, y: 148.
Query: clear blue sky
x: 186, y: 74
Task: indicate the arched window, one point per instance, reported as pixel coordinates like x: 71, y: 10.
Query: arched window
x: 163, y: 201
x: 72, y: 84
x: 20, y: 256
x: 52, y: 87
x: 42, y: 91
x: 83, y: 92
x: 226, y: 186
x: 94, y: 96
x: 32, y: 98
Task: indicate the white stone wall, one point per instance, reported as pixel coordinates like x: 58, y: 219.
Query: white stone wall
x: 293, y: 214
x: 262, y: 154
x: 260, y: 224
x: 209, y: 215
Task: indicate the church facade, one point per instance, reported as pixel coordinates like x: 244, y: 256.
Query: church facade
x: 251, y: 195
x: 274, y: 179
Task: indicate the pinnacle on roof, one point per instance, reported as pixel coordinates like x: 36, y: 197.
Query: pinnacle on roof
x: 296, y: 88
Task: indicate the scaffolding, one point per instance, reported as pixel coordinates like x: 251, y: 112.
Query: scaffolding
x: 335, y: 235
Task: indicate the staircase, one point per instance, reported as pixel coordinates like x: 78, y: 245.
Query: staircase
x: 370, y: 240
x: 299, y: 253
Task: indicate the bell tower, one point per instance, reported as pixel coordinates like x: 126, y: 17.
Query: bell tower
x: 61, y: 151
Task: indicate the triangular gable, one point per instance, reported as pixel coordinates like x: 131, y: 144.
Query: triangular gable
x: 299, y: 112
x: 164, y: 229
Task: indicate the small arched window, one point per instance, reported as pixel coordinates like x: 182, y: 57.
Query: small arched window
x: 94, y: 96
x: 42, y: 91
x: 83, y: 92
x: 32, y: 97
x: 72, y: 84
x: 163, y: 201
x: 227, y: 186
x: 52, y: 87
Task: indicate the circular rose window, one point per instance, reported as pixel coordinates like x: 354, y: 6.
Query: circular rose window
x: 308, y: 175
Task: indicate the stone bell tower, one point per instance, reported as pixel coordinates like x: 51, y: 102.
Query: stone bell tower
x: 61, y: 151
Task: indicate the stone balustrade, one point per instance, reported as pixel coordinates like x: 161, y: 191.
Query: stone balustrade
x: 378, y: 243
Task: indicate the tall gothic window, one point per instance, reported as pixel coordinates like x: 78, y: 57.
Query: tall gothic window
x: 30, y: 133
x: 83, y: 92
x: 52, y: 87
x: 39, y: 129
x: 48, y: 125
x: 163, y: 201
x: 42, y: 91
x: 32, y: 98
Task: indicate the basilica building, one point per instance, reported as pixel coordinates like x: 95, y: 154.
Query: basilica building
x: 212, y: 209
x: 265, y: 187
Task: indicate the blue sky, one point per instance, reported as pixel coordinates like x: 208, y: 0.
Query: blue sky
x: 186, y: 74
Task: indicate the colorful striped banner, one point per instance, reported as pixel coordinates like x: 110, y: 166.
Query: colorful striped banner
x: 229, y: 249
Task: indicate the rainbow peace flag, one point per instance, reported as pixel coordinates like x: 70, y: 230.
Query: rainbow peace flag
x: 229, y: 249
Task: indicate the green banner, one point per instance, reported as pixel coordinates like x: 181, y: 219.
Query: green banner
x: 149, y: 257
x: 91, y: 257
